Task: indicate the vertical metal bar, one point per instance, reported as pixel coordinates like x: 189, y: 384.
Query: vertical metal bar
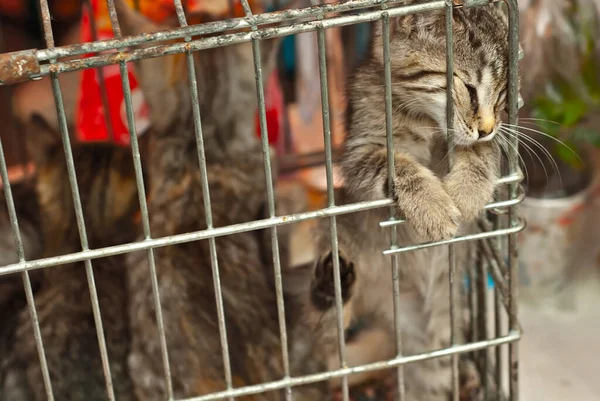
x: 498, y: 357
x: 513, y: 88
x: 100, y: 74
x: 450, y: 125
x: 258, y: 74
x: 14, y: 223
x: 483, y: 322
x: 391, y: 174
x: 137, y: 163
x: 271, y: 205
x: 62, y: 121
x: 474, y: 311
x: 498, y: 247
x: 322, y: 54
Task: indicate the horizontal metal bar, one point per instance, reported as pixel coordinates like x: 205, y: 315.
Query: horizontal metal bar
x: 258, y: 20
x: 469, y: 237
x: 193, y: 236
x: 494, y: 206
x: 392, y: 222
x: 472, y: 3
x: 298, y: 381
x: 500, y: 206
x: 230, y: 39
x: 17, y: 67
x: 511, y: 178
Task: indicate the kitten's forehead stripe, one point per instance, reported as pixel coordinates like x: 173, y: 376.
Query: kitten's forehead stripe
x: 417, y: 75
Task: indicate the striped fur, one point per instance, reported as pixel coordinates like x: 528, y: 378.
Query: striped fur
x: 12, y: 295
x: 436, y: 204
x: 109, y: 201
x: 236, y: 181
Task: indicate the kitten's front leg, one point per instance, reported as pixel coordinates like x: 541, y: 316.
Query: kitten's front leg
x: 418, y: 192
x: 422, y: 199
x: 472, y: 179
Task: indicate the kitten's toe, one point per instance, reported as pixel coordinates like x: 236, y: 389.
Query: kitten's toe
x: 323, y: 286
x: 470, y: 202
x: 436, y: 220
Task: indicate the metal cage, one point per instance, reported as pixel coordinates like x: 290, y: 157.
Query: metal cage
x: 495, y: 325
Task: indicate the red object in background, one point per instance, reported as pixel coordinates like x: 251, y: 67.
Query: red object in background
x: 91, y: 124
x: 13, y: 8
x: 90, y: 115
x: 274, y: 109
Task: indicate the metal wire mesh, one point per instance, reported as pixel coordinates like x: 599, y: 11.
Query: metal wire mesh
x: 34, y: 64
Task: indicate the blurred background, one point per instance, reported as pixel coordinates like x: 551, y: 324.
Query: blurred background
x: 560, y: 150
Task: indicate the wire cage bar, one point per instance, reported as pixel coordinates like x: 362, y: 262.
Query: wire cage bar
x: 34, y: 64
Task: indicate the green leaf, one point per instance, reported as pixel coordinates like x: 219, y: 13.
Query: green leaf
x: 575, y: 110
x: 568, y: 156
x: 586, y: 135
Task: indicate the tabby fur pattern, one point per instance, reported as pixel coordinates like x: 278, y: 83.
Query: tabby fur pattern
x: 109, y: 200
x: 437, y: 205
x: 237, y: 187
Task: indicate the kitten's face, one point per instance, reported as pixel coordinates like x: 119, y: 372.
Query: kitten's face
x: 480, y: 71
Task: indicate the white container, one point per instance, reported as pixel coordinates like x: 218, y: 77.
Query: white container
x: 554, y: 245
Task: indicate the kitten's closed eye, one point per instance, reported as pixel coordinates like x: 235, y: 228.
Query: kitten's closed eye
x: 474, y: 98
x: 501, y: 102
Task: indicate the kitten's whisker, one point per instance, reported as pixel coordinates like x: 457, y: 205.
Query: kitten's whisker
x: 527, y: 148
x: 537, y: 145
x: 547, y: 154
x: 508, y: 143
x: 531, y: 153
x: 521, y: 138
x: 540, y: 120
x: 503, y: 134
x: 504, y: 145
x: 546, y: 135
x: 447, y: 154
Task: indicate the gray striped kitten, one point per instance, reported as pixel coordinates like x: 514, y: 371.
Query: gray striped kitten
x: 236, y: 180
x: 436, y: 204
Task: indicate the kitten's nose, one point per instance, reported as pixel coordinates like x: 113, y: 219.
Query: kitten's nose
x: 484, y: 132
x: 486, y: 126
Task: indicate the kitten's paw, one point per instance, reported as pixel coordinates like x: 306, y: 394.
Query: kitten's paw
x: 469, y: 199
x: 470, y: 381
x: 471, y: 182
x: 323, y: 285
x: 435, y: 217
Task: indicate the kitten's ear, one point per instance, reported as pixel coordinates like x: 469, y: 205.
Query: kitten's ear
x: 41, y: 138
x: 162, y: 78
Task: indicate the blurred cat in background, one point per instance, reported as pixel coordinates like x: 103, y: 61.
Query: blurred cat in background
x: 106, y: 181
x: 237, y: 186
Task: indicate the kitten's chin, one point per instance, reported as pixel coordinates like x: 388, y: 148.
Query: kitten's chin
x: 464, y: 142
x: 487, y: 138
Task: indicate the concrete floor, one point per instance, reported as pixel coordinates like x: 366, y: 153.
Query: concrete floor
x: 560, y: 350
